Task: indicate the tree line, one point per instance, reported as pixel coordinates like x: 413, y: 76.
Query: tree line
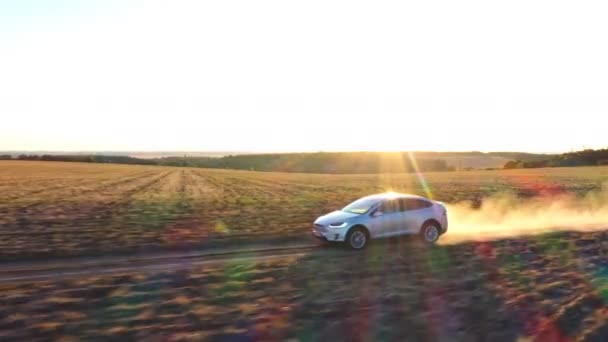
x: 586, y: 157
x: 321, y: 162
x: 84, y: 159
x: 334, y: 162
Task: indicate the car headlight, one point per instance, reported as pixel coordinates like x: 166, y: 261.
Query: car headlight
x: 338, y: 225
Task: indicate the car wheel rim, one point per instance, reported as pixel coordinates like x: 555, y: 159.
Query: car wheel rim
x: 358, y: 239
x: 431, y: 234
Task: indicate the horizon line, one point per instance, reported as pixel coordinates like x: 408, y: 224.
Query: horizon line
x: 279, y: 151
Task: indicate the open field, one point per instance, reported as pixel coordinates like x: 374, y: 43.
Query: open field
x: 543, y: 287
x: 551, y: 287
x: 68, y: 209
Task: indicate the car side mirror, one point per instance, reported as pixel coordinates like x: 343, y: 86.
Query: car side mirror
x: 377, y: 213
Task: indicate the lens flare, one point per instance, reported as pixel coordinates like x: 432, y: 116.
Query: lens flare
x: 423, y: 183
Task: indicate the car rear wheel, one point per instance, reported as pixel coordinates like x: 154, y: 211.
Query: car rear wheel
x: 357, y: 238
x: 430, y: 232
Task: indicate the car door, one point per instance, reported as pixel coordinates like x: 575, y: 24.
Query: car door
x: 402, y: 225
x: 385, y: 218
x: 413, y: 214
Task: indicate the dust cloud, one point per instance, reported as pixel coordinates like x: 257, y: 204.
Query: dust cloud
x: 506, y: 215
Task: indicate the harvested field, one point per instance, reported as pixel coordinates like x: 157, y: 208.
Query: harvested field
x: 69, y: 209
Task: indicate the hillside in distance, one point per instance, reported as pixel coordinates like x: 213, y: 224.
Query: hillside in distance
x: 318, y: 162
x: 586, y: 157
x: 357, y: 162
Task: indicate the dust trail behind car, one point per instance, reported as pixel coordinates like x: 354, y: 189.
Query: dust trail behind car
x: 506, y: 215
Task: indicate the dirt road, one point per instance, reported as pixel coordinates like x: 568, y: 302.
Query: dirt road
x: 551, y: 287
x: 166, y: 261
x: 169, y: 261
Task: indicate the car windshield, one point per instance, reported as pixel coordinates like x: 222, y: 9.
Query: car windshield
x: 361, y: 206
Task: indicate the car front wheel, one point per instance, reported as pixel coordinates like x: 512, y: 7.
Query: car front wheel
x: 357, y: 238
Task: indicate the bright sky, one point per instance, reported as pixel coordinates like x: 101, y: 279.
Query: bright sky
x: 281, y: 75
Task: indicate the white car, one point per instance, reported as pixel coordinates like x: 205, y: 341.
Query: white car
x: 383, y: 215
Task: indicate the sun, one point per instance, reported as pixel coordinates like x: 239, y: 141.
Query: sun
x: 391, y: 194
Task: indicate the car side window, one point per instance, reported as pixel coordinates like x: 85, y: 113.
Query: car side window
x: 403, y: 204
x: 415, y: 204
x: 389, y: 207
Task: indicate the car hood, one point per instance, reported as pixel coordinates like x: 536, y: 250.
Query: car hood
x: 334, y: 217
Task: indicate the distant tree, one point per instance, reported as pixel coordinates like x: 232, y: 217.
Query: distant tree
x: 513, y: 164
x: 28, y: 157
